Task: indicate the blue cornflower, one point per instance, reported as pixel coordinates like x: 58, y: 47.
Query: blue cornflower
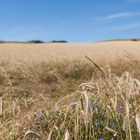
x: 101, y: 138
x: 73, y: 105
x: 39, y: 115
x: 112, y: 123
x: 103, y: 118
x: 120, y: 109
x: 95, y: 105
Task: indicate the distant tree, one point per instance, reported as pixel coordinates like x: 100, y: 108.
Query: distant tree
x: 59, y: 41
x: 134, y: 40
x: 1, y: 41
x: 35, y: 41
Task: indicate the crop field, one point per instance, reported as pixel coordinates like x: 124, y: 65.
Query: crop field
x: 111, y: 50
x: 62, y: 91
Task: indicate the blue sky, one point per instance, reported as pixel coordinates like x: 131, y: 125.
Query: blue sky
x: 72, y: 20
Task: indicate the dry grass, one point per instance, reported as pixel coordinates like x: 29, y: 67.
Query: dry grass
x: 59, y: 51
x: 41, y: 98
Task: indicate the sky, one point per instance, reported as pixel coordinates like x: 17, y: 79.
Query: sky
x: 71, y: 20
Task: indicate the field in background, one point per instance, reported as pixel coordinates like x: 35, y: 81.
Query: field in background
x: 111, y: 50
x: 52, y: 91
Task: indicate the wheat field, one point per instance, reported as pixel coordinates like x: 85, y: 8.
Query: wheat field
x: 59, y: 91
x: 60, y: 51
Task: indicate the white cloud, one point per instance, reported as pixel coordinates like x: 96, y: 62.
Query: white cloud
x: 113, y: 16
x: 121, y: 15
x: 121, y: 27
